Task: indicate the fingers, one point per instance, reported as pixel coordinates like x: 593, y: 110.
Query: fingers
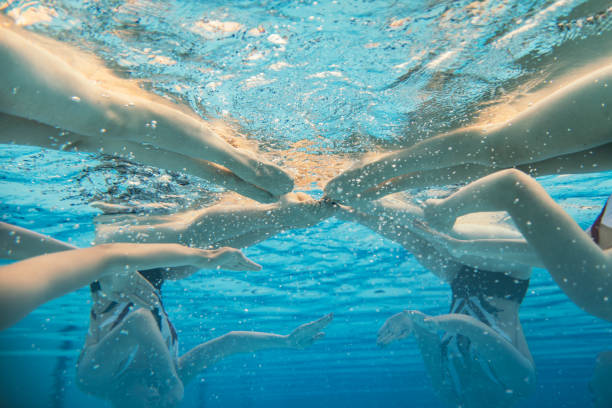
x: 386, y: 334
x: 321, y: 323
x: 241, y: 264
x: 234, y: 260
x: 319, y: 336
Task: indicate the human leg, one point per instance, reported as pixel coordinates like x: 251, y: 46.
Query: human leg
x: 28, y: 132
x: 42, y: 84
x: 572, y: 119
x: 575, y: 262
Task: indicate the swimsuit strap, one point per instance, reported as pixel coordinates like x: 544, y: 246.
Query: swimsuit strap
x: 594, y: 229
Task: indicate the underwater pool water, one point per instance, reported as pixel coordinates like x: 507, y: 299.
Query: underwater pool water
x: 345, y: 76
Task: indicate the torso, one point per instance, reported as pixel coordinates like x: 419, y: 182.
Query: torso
x: 106, y: 314
x: 494, y: 299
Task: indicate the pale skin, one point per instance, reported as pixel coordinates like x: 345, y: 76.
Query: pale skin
x: 49, y: 98
x: 403, y: 222
x: 600, y: 385
x: 219, y: 225
x: 568, y: 131
x: 210, y: 227
x: 581, y: 268
x: 54, y: 268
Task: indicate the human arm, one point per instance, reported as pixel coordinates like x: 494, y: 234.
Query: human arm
x: 581, y: 268
x: 27, y: 284
x: 207, y: 354
x: 18, y: 243
x: 22, y: 131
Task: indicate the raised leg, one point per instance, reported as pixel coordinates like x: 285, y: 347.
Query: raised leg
x: 580, y: 268
x: 28, y: 132
x: 572, y: 119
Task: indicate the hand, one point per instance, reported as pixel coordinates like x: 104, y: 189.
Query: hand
x: 121, y: 286
x: 397, y: 327
x: 308, y: 333
x: 230, y: 259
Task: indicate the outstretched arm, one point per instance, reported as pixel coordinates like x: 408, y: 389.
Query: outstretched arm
x: 581, y: 268
x: 18, y: 243
x: 232, y: 225
x: 27, y: 284
x: 28, y: 132
x: 515, y: 370
x: 207, y: 354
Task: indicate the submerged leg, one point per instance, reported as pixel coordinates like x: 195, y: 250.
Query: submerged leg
x: 572, y: 119
x: 598, y: 159
x: 28, y: 132
x: 580, y: 268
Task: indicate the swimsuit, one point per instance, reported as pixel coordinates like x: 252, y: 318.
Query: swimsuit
x: 106, y: 315
x: 605, y: 218
x: 473, y: 290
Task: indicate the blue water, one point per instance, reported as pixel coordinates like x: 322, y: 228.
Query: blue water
x: 347, y: 76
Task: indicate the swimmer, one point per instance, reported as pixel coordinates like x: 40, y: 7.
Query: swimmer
x: 580, y: 263
x: 600, y: 385
x: 482, y: 352
x: 569, y: 131
x: 145, y: 369
x: 53, y: 96
x: 50, y: 268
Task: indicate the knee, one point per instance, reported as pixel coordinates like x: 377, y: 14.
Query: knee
x: 513, y: 180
